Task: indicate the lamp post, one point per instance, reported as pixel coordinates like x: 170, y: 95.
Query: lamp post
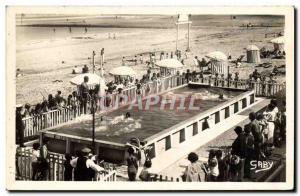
x: 93, y: 61
x: 183, y: 20
x: 93, y: 122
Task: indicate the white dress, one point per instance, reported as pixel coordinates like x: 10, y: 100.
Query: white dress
x: 270, y: 116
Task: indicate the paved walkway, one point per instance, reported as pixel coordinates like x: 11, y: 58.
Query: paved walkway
x: 220, y: 137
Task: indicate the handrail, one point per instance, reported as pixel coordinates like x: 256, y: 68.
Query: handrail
x: 56, y: 167
x: 52, y: 118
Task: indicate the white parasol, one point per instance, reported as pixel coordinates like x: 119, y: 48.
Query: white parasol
x: 252, y: 47
x: 122, y: 71
x: 217, y: 55
x: 169, y: 63
x: 278, y: 40
x: 93, y: 79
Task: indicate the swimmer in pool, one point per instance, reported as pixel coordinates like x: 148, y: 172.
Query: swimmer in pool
x: 128, y: 117
x: 221, y: 96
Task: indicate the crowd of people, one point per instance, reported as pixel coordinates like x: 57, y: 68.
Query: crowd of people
x: 256, y: 141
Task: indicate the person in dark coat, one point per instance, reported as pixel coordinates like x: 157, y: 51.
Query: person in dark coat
x: 68, y: 168
x: 52, y: 104
x: 249, y: 150
x: 238, y: 146
x: 221, y: 166
x: 20, y: 126
x: 132, y: 165
x: 238, y: 149
x: 85, y: 167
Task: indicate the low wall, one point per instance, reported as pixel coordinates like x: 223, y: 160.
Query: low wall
x: 182, y: 132
x: 160, y: 142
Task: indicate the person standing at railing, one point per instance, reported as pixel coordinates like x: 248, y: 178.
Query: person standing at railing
x: 28, y: 111
x: 51, y: 102
x: 162, y: 56
x: 236, y: 79
x: 102, y: 58
x: 84, y: 92
x: 85, y: 167
x: 58, y: 97
x: 271, y: 85
x: 20, y: 126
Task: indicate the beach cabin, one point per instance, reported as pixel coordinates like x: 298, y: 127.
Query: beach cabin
x: 253, y: 55
x: 219, y: 62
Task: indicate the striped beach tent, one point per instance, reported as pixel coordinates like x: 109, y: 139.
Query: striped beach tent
x: 253, y: 55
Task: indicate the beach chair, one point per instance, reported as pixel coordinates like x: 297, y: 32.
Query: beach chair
x: 239, y: 59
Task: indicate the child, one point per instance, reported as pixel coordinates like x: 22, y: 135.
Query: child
x: 35, y: 160
x: 221, y: 166
x: 213, y: 166
x: 145, y: 175
x: 68, y: 168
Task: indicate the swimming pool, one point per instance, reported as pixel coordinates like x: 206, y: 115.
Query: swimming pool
x: 171, y: 108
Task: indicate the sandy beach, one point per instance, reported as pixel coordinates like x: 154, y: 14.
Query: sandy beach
x: 45, y: 58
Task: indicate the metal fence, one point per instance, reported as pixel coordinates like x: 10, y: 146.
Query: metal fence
x: 56, y: 167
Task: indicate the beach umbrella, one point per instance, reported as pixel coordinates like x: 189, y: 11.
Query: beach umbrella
x: 93, y: 79
x: 278, y: 43
x: 217, y: 55
x: 253, y: 55
x: 169, y: 63
x: 252, y: 47
x: 278, y: 40
x: 123, y: 71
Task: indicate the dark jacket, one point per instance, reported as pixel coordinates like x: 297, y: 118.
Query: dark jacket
x: 68, y: 171
x: 238, y: 146
x: 82, y: 172
x: 132, y: 164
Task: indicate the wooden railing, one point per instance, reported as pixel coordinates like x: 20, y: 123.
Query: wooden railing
x: 56, y: 167
x: 112, y: 101
x: 261, y: 88
x: 36, y: 123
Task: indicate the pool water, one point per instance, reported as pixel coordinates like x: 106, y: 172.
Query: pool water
x: 145, y: 123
